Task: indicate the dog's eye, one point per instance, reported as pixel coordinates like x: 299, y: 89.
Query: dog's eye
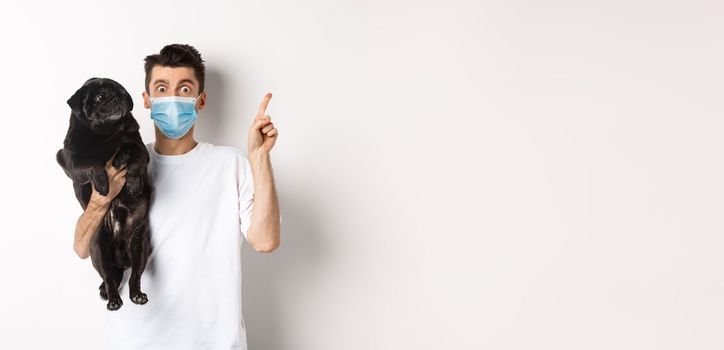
x: 99, y: 98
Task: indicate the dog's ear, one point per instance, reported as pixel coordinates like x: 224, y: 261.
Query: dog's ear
x: 130, y: 102
x: 76, y: 101
x: 128, y: 97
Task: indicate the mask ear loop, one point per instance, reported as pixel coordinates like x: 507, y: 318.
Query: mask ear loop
x: 197, y: 99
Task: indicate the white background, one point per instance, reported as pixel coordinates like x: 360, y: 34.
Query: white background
x: 452, y: 175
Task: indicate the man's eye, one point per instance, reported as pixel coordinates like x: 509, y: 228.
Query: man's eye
x: 185, y: 89
x: 162, y: 89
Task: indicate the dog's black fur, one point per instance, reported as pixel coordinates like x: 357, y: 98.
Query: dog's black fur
x: 102, y: 127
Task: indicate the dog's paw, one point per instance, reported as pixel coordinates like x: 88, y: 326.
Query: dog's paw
x: 114, y: 304
x: 99, y: 180
x: 139, y: 298
x: 102, y: 187
x: 121, y: 158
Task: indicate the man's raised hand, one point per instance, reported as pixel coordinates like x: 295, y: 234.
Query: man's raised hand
x: 262, y: 134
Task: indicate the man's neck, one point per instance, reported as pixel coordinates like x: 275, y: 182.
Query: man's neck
x: 170, y: 147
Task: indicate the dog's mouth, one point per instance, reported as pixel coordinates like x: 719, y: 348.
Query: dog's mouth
x: 111, y: 111
x: 109, y: 116
x: 115, y: 116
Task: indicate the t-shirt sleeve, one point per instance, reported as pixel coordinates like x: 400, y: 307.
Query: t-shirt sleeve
x: 246, y: 194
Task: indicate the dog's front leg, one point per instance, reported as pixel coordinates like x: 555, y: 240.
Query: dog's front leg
x: 123, y: 155
x: 84, y: 170
x: 98, y: 176
x: 136, y: 169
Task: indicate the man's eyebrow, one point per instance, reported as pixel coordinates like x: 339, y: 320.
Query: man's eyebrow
x: 162, y: 81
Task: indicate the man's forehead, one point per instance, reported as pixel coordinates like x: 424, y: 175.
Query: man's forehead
x: 172, y: 75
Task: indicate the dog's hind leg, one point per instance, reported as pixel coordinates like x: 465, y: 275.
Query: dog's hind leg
x: 114, y: 275
x: 102, y: 288
x: 103, y: 261
x: 139, y: 249
x: 113, y: 280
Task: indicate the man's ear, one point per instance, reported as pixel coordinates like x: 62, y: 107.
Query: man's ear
x: 202, y: 100
x: 146, y: 102
x: 76, y: 101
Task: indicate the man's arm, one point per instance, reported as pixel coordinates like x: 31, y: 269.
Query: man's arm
x: 87, y: 226
x: 264, y: 232
x: 265, y: 226
x: 89, y: 222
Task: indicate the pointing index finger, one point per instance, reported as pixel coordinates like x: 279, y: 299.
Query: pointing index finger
x: 262, y: 106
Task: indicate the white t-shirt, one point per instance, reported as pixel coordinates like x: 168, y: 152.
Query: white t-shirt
x: 200, y: 207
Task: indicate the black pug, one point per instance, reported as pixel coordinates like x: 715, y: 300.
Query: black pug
x: 102, y: 127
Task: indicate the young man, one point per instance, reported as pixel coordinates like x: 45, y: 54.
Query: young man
x: 201, y: 206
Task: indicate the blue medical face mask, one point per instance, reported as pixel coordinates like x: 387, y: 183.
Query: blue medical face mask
x: 174, y: 115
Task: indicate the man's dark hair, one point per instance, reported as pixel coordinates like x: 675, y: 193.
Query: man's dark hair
x: 177, y: 55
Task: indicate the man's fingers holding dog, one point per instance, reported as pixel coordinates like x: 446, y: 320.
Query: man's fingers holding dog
x: 121, y: 174
x: 110, y: 160
x: 116, y: 181
x: 113, y: 170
